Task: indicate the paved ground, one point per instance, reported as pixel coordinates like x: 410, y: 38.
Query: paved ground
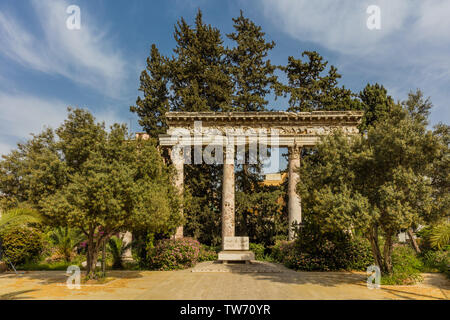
x: 212, y: 281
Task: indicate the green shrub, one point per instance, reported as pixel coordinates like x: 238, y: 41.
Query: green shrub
x: 406, y: 267
x: 117, y: 248
x: 207, y: 254
x: 281, y: 249
x: 435, y: 260
x: 174, y: 254
x: 21, y: 244
x: 315, y: 251
x: 258, y: 250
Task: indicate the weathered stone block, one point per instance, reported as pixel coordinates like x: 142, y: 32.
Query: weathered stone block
x: 235, y: 243
x: 231, y: 255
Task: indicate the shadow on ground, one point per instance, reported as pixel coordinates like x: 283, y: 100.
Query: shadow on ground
x: 55, y: 277
x: 16, y: 295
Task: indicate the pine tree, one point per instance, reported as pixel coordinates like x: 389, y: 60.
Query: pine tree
x: 155, y: 103
x: 310, y: 89
x: 195, y: 78
x: 253, y: 74
x: 199, y: 73
x: 376, y: 103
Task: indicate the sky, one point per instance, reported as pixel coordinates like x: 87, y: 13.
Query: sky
x: 46, y: 67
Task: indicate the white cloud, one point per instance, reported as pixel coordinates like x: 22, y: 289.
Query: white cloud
x: 341, y: 25
x: 21, y: 115
x: 410, y: 50
x: 85, y: 56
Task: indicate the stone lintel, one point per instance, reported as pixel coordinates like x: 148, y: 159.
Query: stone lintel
x: 175, y: 118
x: 167, y: 140
x: 282, y: 129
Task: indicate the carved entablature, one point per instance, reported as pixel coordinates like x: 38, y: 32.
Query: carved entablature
x: 282, y: 128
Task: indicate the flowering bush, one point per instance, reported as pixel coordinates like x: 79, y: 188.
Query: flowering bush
x: 174, y: 254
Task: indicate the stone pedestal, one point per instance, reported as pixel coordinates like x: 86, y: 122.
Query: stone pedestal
x: 236, y: 255
x: 294, y: 202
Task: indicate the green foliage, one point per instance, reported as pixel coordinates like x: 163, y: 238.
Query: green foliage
x: 21, y: 244
x: 418, y: 107
x: 98, y: 181
x: 40, y: 266
x: 440, y: 236
x: 174, y: 254
x: 207, y: 253
x: 202, y: 207
x: 281, y: 249
x: 381, y: 182
x: 252, y: 73
x: 155, y: 102
x: 64, y: 240
x: 406, y: 267
x: 258, y: 249
x: 31, y: 172
x: 261, y: 216
x: 310, y: 89
x: 436, y: 260
x: 117, y: 248
x: 19, y: 216
x: 376, y: 103
x: 316, y: 251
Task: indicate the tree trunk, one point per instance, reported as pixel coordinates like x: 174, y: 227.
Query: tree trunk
x: 92, y: 255
x: 373, y: 238
x: 104, y: 258
x: 387, y: 252
x: 413, y: 240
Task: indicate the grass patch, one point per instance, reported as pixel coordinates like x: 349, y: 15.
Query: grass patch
x: 44, y: 266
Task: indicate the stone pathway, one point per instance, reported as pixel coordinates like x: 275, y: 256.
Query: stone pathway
x: 259, y: 281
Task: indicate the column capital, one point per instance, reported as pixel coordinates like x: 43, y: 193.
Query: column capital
x: 294, y: 152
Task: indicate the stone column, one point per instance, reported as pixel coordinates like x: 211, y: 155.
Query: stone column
x: 228, y: 194
x: 127, y: 237
x: 178, y: 162
x: 294, y: 203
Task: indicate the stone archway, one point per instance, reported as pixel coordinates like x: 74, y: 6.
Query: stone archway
x: 231, y: 130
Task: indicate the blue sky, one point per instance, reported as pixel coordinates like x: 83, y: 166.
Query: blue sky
x: 44, y: 67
